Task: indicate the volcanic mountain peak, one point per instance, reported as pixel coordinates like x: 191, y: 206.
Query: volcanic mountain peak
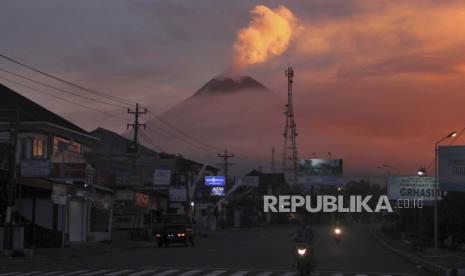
x: 221, y: 85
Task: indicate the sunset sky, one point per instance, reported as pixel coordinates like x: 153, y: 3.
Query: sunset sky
x: 375, y: 81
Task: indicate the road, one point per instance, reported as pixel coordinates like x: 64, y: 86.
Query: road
x: 253, y: 251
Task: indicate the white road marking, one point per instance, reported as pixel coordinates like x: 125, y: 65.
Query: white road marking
x: 52, y: 273
x: 266, y: 273
x: 96, y: 272
x: 75, y: 272
x: 214, y: 273
x: 239, y: 273
x: 124, y: 271
x: 143, y: 272
x: 190, y: 272
x: 167, y: 272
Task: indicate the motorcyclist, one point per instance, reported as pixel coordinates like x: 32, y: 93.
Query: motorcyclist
x: 303, y: 250
x: 304, y: 234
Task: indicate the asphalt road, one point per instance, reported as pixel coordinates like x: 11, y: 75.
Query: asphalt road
x: 242, y: 251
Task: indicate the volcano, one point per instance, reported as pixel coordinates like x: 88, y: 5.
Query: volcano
x: 222, y: 85
x: 238, y: 114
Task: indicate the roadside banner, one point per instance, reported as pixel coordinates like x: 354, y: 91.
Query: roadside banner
x: 411, y: 187
x: 217, y: 191
x: 451, y: 168
x: 215, y: 180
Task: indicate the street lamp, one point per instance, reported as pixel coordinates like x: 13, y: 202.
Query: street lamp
x: 436, y: 188
x: 422, y: 171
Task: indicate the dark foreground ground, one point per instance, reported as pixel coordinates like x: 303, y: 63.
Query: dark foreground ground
x: 251, y: 251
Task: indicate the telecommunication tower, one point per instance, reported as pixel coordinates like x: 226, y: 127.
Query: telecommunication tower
x: 290, y: 164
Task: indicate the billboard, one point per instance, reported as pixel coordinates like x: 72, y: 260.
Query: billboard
x: 321, y: 172
x: 248, y: 181
x: 162, y: 177
x: 214, y: 181
x: 217, y: 191
x: 411, y: 187
x: 451, y: 167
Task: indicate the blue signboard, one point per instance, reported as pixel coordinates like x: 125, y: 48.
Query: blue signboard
x: 214, y: 181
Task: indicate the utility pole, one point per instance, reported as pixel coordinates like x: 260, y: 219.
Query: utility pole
x: 225, y: 157
x: 136, y: 125
x: 11, y: 188
x: 290, y: 133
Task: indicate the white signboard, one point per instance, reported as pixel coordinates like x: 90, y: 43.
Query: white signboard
x: 162, y: 177
x: 249, y: 181
x: 411, y: 187
x: 59, y: 194
x: 35, y: 168
x: 178, y: 194
x: 452, y: 168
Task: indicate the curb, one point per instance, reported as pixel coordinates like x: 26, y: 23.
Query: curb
x: 430, y: 266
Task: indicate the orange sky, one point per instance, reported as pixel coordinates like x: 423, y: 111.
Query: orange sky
x: 375, y: 81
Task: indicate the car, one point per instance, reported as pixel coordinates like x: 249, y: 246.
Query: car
x: 176, y: 229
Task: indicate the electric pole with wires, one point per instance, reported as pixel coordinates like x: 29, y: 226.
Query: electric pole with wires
x: 133, y: 147
x: 226, y: 163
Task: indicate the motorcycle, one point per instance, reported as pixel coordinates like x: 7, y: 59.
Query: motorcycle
x: 337, y: 234
x: 304, y: 258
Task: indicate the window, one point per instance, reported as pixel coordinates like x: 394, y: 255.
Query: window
x: 33, y: 148
x: 61, y: 145
x: 38, y: 148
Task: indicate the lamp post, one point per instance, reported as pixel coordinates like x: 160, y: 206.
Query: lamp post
x: 436, y: 188
x: 422, y: 172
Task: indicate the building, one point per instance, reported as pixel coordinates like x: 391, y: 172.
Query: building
x: 147, y: 185
x: 246, y: 204
x: 56, y: 198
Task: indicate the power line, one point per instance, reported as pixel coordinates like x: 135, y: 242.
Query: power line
x: 190, y: 137
x: 103, y: 95
x: 182, y: 132
x: 61, y: 90
x: 63, y: 99
x: 151, y: 142
x: 165, y: 133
